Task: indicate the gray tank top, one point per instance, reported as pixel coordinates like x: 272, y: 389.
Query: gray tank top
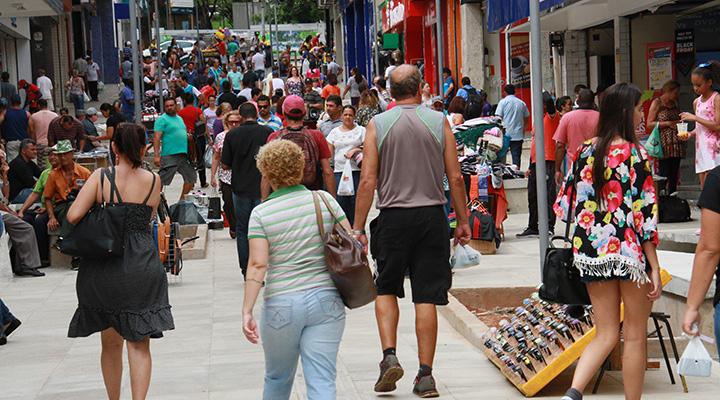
x: 410, y: 146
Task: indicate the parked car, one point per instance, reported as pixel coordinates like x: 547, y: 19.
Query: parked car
x: 185, y: 45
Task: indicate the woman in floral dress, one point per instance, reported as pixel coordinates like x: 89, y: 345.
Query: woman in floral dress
x: 615, y: 237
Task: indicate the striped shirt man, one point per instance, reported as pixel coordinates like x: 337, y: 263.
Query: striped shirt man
x: 287, y: 221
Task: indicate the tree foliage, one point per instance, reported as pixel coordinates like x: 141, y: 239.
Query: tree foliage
x: 288, y: 11
x: 299, y: 11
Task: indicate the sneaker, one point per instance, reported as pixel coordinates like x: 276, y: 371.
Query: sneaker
x: 390, y: 372
x: 425, y: 387
x: 528, y: 233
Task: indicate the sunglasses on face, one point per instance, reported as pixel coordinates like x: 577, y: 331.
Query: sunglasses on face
x: 233, y: 122
x: 264, y: 106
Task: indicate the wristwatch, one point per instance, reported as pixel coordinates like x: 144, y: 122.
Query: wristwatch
x: 358, y: 232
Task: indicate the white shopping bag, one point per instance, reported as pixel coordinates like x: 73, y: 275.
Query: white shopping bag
x: 346, y: 186
x: 695, y: 360
x: 464, y: 256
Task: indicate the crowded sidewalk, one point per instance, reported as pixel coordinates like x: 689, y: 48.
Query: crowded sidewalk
x: 207, y: 357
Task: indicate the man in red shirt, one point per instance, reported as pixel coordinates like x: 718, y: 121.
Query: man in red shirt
x: 195, y: 124
x: 550, y: 124
x: 208, y: 90
x: 575, y: 128
x: 32, y: 95
x: 293, y: 109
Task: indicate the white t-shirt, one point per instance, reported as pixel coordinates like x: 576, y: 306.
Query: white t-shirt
x: 278, y: 83
x: 305, y: 67
x: 46, y: 87
x: 258, y: 62
x: 92, y: 72
x: 247, y: 93
x: 344, y: 141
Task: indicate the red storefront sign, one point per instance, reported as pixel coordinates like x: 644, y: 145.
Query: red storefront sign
x: 393, y: 13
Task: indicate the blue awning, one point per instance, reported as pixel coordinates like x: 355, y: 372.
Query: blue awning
x: 504, y: 12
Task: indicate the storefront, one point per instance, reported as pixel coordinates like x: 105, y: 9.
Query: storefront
x: 413, y: 21
x: 358, y: 28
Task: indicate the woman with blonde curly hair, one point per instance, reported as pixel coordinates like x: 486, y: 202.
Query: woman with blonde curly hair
x: 303, y: 315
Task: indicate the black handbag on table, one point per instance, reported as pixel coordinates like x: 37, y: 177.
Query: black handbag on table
x: 560, y: 279
x: 101, y: 231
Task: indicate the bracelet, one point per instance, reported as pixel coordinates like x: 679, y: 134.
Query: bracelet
x: 262, y: 283
x: 358, y: 232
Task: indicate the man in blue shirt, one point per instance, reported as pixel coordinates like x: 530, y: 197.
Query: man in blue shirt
x: 127, y: 102
x: 466, y: 89
x: 448, y: 86
x: 265, y: 117
x: 514, y: 114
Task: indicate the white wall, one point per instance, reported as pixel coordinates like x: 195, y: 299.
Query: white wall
x: 473, y: 44
x: 15, y: 49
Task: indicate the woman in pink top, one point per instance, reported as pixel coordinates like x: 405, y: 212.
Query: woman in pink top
x: 706, y: 82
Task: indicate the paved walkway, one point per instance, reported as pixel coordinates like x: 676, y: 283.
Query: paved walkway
x: 207, y: 357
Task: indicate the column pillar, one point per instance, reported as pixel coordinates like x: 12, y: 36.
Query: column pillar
x: 621, y: 27
x: 473, y: 44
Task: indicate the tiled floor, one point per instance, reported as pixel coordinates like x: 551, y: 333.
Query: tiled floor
x: 207, y: 357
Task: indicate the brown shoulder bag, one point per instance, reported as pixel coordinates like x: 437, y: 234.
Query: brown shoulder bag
x: 346, y: 260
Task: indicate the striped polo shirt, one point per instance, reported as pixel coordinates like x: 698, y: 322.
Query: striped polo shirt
x: 287, y: 221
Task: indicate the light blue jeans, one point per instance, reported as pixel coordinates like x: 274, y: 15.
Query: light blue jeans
x: 307, y: 324
x: 717, y: 328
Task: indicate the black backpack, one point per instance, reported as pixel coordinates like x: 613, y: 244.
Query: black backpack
x: 673, y: 209
x: 474, y: 104
x: 473, y: 96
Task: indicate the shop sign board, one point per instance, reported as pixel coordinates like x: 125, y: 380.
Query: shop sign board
x: 660, y: 64
x: 520, y: 60
x: 685, y: 50
x: 393, y: 13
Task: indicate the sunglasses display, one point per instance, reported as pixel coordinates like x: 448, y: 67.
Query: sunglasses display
x: 535, y: 344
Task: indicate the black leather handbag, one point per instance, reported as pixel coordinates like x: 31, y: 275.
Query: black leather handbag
x: 101, y: 232
x: 560, y: 279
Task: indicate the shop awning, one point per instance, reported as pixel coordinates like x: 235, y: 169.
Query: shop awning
x: 30, y: 8
x: 501, y: 13
x: 584, y: 14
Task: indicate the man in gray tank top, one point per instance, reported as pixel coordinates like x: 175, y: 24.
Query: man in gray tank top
x: 406, y: 153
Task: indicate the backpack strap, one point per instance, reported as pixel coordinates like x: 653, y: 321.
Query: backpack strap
x: 152, y: 186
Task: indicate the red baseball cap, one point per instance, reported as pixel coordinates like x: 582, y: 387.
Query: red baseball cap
x: 293, y: 106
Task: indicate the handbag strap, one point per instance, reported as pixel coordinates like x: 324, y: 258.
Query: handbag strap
x: 318, y: 214
x: 571, y: 201
x: 114, y: 193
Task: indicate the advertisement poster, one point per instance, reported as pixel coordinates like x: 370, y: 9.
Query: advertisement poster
x: 684, y: 51
x: 660, y: 64
x: 520, y: 61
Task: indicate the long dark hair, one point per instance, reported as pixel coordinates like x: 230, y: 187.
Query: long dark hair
x: 129, y: 140
x: 549, y: 103
x: 617, y: 118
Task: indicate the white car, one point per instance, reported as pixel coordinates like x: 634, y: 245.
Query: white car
x: 185, y: 45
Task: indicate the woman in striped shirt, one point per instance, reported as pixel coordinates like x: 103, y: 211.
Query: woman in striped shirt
x: 303, y: 315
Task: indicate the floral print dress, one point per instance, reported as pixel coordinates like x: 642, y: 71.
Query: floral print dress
x: 612, y: 225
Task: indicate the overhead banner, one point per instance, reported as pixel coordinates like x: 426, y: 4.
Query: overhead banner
x: 505, y: 12
x: 685, y: 50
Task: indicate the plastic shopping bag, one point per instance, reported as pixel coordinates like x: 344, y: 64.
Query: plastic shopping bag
x: 695, y: 360
x: 464, y: 256
x: 346, y: 186
x: 208, y: 157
